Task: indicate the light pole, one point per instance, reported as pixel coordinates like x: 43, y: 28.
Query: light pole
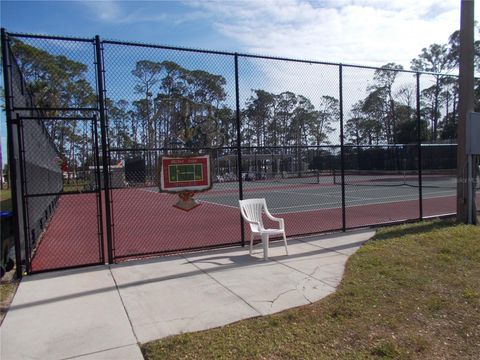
x: 465, y: 106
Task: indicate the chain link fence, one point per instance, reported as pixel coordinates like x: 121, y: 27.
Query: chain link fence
x: 51, y: 84
x: 330, y: 146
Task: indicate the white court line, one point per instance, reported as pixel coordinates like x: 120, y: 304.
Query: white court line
x: 214, y: 203
x: 306, y: 194
x: 348, y: 195
x: 304, y: 206
x: 355, y: 197
x: 353, y: 202
x: 398, y: 196
x: 359, y: 201
x: 441, y: 193
x: 405, y: 197
x: 286, y: 207
x: 369, y: 188
x: 354, y: 192
x: 200, y: 200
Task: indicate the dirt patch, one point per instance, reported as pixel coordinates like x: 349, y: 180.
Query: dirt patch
x: 8, y: 288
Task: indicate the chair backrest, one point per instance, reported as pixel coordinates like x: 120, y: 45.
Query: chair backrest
x: 252, y: 209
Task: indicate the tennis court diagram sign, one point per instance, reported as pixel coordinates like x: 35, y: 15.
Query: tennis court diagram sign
x: 185, y: 175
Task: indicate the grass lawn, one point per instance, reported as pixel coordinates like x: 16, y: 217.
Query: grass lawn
x: 8, y: 287
x: 413, y: 292
x: 75, y: 185
x: 6, y: 194
x: 5, y: 200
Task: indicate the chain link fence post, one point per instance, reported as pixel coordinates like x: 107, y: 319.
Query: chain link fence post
x: 239, y: 147
x: 342, y: 146
x: 419, y: 147
x: 103, y: 134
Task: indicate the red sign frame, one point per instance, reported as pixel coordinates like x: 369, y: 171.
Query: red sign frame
x: 170, y: 163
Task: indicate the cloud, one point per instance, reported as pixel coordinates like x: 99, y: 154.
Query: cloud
x: 131, y: 12
x: 115, y: 12
x: 365, y: 32
x: 106, y: 10
x: 368, y: 32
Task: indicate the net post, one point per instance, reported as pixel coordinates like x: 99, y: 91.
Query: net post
x: 419, y: 148
x: 239, y: 147
x: 342, y: 147
x: 103, y: 134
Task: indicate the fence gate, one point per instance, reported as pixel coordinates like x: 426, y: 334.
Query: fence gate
x: 62, y: 207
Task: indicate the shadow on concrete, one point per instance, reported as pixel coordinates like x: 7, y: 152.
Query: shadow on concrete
x: 236, y: 261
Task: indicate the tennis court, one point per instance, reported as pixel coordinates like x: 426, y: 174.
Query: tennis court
x: 88, y: 176
x: 145, y: 222
x: 294, y: 195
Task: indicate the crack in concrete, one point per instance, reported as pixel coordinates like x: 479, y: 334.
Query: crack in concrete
x: 276, y: 298
x: 178, y: 319
x: 99, y: 351
x: 304, y: 288
x: 183, y: 317
x: 303, y: 273
x: 314, y: 271
x: 281, y: 294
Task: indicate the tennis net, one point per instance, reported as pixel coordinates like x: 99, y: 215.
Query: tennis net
x: 430, y: 178
x: 303, y: 177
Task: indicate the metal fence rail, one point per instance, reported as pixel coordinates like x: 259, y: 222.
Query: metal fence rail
x: 330, y: 146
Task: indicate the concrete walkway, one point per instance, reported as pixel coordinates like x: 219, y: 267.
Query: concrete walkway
x: 104, y: 312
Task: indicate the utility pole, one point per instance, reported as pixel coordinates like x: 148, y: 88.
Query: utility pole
x: 465, y: 105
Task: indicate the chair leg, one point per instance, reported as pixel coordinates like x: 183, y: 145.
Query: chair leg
x: 285, y: 241
x: 265, y: 239
x: 251, y: 242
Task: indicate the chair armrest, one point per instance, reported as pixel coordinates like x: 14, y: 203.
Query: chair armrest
x: 251, y: 221
x: 279, y: 220
x: 260, y: 226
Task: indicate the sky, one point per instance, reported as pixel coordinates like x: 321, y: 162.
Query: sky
x: 371, y: 32
x: 367, y: 32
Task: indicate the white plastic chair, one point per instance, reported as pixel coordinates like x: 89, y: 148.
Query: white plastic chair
x: 251, y: 210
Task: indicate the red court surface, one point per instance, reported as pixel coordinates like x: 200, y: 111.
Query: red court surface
x: 146, y: 223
